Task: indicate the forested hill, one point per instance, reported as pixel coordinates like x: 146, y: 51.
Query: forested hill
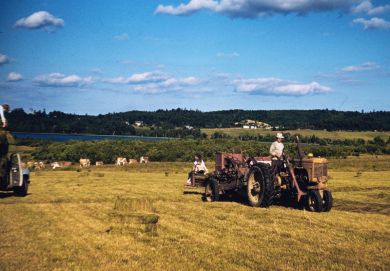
x: 121, y: 123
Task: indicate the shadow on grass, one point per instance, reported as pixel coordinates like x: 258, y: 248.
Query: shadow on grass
x: 360, y: 207
x: 192, y: 193
x: 8, y: 194
x: 241, y: 199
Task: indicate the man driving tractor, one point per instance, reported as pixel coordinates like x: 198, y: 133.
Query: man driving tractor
x: 277, y: 153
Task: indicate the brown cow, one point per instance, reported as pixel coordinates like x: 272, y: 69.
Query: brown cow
x: 59, y: 164
x: 121, y: 161
x: 99, y: 163
x: 84, y: 162
x: 144, y: 159
x: 133, y: 161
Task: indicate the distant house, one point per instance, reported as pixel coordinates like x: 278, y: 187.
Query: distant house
x: 138, y: 123
x: 253, y: 124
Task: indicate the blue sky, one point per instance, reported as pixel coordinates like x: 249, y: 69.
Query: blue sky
x: 112, y: 56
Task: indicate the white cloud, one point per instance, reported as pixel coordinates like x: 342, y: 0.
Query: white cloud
x: 228, y: 55
x: 368, y: 7
x: 62, y: 80
x: 122, y: 37
x: 170, y: 84
x: 3, y: 59
x: 368, y: 66
x: 13, y: 77
x: 139, y: 78
x: 154, y: 82
x: 255, y: 8
x: 39, y: 19
x: 373, y: 23
x: 277, y: 87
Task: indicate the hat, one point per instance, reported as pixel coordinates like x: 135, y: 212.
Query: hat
x: 279, y: 135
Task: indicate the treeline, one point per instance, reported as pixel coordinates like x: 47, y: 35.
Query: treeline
x: 184, y: 149
x: 313, y: 139
x: 110, y: 124
x: 167, y: 121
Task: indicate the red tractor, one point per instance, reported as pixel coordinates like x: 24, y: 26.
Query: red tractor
x: 301, y: 180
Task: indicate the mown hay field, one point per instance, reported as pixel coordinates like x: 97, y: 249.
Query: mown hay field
x: 105, y: 219
x: 341, y: 135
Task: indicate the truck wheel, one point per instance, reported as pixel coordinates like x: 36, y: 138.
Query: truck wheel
x: 211, y: 191
x: 260, y: 188
x: 22, y: 190
x: 314, y: 201
x: 327, y: 201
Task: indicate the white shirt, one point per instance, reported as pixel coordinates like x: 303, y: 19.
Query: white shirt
x: 3, y: 119
x: 276, y: 149
x: 198, y: 166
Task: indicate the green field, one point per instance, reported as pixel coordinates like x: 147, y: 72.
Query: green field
x: 90, y: 220
x: 366, y: 135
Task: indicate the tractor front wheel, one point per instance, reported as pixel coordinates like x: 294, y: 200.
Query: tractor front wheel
x: 327, y: 201
x: 314, y: 201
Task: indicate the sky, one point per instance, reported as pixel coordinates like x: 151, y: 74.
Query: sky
x: 95, y: 57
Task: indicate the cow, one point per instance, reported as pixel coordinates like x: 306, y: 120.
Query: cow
x: 99, y: 163
x: 85, y: 162
x: 39, y: 165
x: 59, y: 164
x: 121, y: 161
x: 35, y: 165
x: 144, y: 159
x: 133, y: 161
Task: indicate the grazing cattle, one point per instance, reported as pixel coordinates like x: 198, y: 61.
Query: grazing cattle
x: 39, y: 165
x: 99, y: 163
x: 35, y: 165
x: 144, y: 159
x: 121, y: 161
x: 133, y: 161
x: 85, y: 162
x: 59, y: 164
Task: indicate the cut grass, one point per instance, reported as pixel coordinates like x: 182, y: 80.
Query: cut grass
x: 67, y: 223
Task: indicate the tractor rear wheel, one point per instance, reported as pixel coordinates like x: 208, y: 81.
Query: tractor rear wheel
x: 327, y: 201
x: 314, y: 201
x: 260, y: 187
x: 211, y: 191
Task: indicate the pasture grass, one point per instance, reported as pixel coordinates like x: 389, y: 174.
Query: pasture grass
x: 366, y: 135
x: 141, y: 218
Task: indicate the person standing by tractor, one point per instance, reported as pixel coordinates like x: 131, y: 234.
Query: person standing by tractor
x: 5, y: 138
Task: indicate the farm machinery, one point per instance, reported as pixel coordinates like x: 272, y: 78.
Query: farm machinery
x: 17, y: 177
x: 303, y: 180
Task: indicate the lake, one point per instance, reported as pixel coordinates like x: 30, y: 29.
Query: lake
x: 65, y: 137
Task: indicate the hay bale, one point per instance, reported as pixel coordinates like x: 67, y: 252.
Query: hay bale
x: 133, y: 205
x: 134, y: 216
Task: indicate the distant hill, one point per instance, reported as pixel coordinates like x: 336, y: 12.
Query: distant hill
x: 163, y: 121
